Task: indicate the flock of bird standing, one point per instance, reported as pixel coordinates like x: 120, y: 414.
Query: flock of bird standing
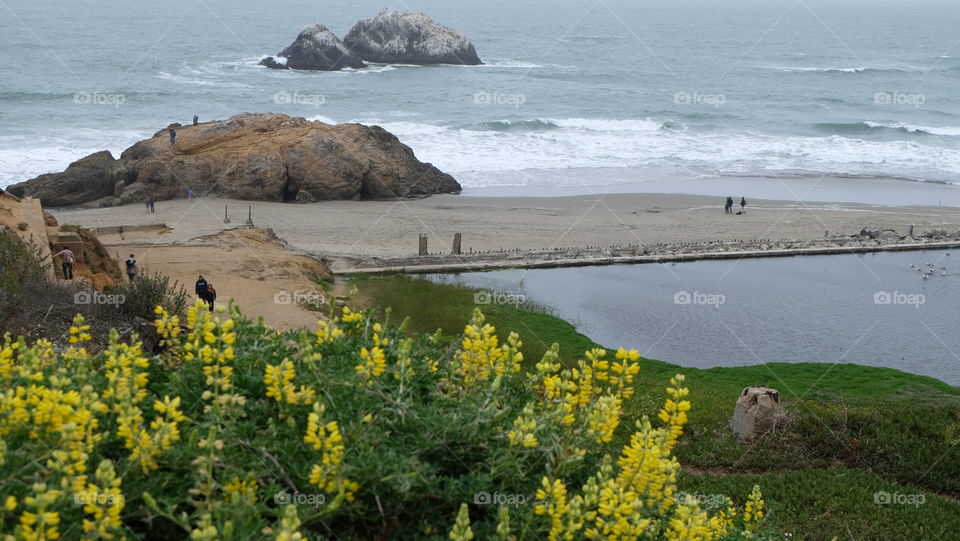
x: 930, y: 270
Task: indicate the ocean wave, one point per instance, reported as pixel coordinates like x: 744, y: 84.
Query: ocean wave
x: 195, y: 81
x: 582, y: 124
x: 604, y: 143
x: 506, y: 64
x: 866, y: 127
x: 855, y: 69
x: 25, y: 157
x: 516, y: 125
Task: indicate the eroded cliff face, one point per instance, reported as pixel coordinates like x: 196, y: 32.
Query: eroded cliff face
x: 268, y: 157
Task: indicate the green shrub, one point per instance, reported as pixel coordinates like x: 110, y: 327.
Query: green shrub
x: 142, y: 295
x: 357, y: 431
x: 23, y: 272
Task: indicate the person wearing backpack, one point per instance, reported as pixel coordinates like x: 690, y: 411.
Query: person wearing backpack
x: 131, y: 267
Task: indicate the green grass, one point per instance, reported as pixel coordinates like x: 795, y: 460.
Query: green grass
x: 433, y: 306
x: 853, y: 430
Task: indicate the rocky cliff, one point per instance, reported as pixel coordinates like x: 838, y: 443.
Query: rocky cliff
x: 409, y: 38
x: 316, y: 48
x: 268, y: 157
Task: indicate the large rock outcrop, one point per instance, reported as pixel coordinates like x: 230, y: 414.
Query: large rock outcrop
x: 409, y: 38
x: 316, y: 48
x: 86, y: 179
x: 266, y: 157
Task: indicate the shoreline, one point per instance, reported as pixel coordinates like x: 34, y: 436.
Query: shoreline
x: 500, y: 232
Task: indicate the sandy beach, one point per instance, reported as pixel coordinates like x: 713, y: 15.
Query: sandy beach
x: 348, y: 231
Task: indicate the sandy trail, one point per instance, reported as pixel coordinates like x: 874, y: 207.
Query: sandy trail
x: 264, y: 277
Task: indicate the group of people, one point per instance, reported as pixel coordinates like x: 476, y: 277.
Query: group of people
x: 728, y: 207
x: 150, y: 203
x: 206, y: 291
x: 203, y: 288
x: 68, y: 259
x: 173, y: 132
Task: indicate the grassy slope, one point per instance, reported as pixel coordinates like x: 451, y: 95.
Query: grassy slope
x: 854, y: 430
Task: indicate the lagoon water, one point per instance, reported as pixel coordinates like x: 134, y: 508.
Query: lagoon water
x: 870, y: 309
x: 662, y: 95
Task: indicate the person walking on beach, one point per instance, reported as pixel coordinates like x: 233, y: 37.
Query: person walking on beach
x: 146, y: 203
x: 68, y: 259
x: 150, y: 203
x: 743, y: 204
x: 205, y: 291
x: 195, y: 119
x: 131, y: 267
x: 190, y: 193
x: 728, y: 209
x: 173, y: 136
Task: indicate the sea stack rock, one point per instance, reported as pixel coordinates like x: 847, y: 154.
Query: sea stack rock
x: 261, y: 157
x: 316, y: 48
x: 409, y: 38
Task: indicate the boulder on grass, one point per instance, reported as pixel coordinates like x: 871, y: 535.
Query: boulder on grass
x: 758, y: 411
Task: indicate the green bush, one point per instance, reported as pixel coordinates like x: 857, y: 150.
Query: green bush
x: 23, y: 273
x: 357, y: 431
x: 142, y: 295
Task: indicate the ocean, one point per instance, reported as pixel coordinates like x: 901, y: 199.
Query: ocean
x: 605, y: 95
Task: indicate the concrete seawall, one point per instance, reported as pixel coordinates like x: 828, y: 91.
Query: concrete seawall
x: 454, y: 263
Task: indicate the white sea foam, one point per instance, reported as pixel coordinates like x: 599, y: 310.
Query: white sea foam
x: 22, y: 158
x: 195, y: 81
x: 913, y: 128
x: 845, y: 69
x: 641, y: 143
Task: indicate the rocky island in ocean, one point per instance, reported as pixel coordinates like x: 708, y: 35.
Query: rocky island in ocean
x: 266, y: 157
x: 316, y: 48
x: 393, y: 37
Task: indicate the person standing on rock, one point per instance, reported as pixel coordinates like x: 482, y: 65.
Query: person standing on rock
x: 743, y: 204
x: 131, y: 267
x: 173, y: 136
x: 68, y: 259
x: 195, y: 119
